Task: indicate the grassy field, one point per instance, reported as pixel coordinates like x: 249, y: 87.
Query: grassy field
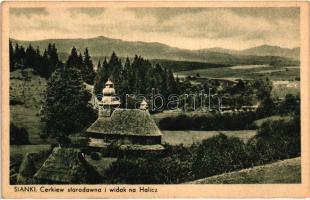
x: 237, y: 72
x: 27, y: 118
x: 30, y: 94
x: 28, y: 89
x: 259, y: 122
x: 286, y: 171
x: 187, y: 138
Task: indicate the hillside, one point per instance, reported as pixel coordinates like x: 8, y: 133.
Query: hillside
x: 102, y: 46
x: 285, y: 171
x: 263, y: 50
x: 26, y: 100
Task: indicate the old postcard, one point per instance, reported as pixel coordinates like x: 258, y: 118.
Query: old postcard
x: 155, y: 99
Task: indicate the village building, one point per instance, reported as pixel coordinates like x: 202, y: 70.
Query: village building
x: 66, y: 165
x: 61, y: 166
x: 127, y: 128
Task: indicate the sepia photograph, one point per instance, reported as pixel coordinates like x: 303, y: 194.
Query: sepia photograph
x: 110, y: 94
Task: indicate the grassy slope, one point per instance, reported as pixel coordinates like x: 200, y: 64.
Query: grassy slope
x: 286, y: 171
x: 187, y: 138
x: 27, y: 115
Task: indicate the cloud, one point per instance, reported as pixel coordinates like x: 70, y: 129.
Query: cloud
x: 90, y: 11
x: 191, y: 28
x: 28, y: 12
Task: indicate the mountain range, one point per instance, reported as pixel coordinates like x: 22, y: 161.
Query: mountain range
x: 101, y: 46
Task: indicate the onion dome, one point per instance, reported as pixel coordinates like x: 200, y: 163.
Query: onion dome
x: 108, y: 90
x: 109, y: 83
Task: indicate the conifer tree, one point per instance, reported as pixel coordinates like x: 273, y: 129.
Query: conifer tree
x: 66, y: 109
x: 171, y: 83
x: 73, y: 60
x: 12, y: 56
x: 88, y: 72
x: 115, y: 65
x: 102, y: 75
x: 124, y: 87
x: 30, y: 56
x: 44, y: 69
x: 53, y: 57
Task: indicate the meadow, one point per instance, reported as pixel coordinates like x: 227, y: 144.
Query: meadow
x: 246, y: 72
x: 27, y: 95
x: 285, y: 171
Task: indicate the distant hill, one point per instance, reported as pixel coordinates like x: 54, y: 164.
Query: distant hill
x: 102, y: 46
x: 263, y: 50
x: 285, y: 171
x: 266, y: 50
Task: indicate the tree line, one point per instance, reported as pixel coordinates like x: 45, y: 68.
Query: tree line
x: 44, y: 64
x: 138, y: 76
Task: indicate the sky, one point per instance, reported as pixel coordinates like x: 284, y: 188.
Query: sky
x: 188, y: 28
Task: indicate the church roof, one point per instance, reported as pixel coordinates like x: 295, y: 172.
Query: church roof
x: 126, y: 122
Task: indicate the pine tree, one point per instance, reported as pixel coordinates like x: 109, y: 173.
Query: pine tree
x: 102, y: 75
x: 53, y: 57
x: 30, y: 56
x: 66, y: 109
x: 20, y: 56
x: 88, y: 72
x: 124, y: 87
x: 12, y: 56
x: 115, y: 65
x: 98, y: 65
x: 171, y: 83
x: 44, y: 68
x: 73, y: 60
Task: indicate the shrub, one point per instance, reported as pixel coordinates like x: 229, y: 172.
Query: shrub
x: 18, y: 136
x: 275, y: 140
x: 217, y: 121
x: 290, y: 104
x: 94, y: 156
x: 112, y: 150
x: 171, y: 166
x: 219, y: 154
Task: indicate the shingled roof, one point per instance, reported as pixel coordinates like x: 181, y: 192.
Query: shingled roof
x: 126, y: 122
x: 67, y: 165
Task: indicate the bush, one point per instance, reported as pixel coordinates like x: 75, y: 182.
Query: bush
x: 94, y: 156
x: 290, y: 104
x: 275, y: 140
x: 171, y: 166
x: 112, y: 150
x: 18, y: 136
x: 217, y: 121
x: 219, y: 154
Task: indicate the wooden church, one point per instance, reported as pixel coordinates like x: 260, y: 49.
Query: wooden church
x: 132, y: 129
